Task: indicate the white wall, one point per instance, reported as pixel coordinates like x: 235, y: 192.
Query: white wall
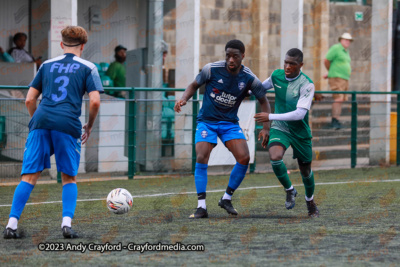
x: 40, y: 28
x: 119, y: 24
x: 112, y: 137
x: 14, y: 17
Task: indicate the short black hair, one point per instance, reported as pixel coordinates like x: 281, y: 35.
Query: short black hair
x: 18, y: 35
x: 236, y: 44
x: 296, y: 53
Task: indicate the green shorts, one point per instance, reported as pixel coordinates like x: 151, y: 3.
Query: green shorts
x: 302, y: 148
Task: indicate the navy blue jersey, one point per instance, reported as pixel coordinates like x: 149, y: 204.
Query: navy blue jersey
x: 224, y: 91
x: 63, y: 81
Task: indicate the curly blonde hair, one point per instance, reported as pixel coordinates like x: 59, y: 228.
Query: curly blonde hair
x: 74, y: 35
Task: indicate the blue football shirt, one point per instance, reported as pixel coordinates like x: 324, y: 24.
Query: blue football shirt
x: 225, y: 91
x: 63, y: 81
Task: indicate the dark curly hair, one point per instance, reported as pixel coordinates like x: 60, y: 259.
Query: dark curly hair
x: 236, y: 44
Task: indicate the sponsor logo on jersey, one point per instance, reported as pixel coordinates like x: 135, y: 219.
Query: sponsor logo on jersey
x: 214, y: 92
x: 241, y: 85
x: 277, y: 85
x: 220, y: 81
x: 204, y: 134
x: 226, y: 99
x: 240, y: 131
x: 274, y: 139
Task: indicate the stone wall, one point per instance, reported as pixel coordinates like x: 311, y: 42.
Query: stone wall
x: 221, y: 21
x: 257, y: 24
x: 274, y: 37
x: 342, y: 19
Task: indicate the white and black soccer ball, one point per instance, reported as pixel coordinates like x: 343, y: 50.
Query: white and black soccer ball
x: 119, y: 201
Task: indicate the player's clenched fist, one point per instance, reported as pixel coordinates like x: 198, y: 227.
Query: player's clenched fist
x: 179, y: 104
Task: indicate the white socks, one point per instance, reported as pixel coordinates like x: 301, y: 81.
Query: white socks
x: 291, y: 188
x: 226, y: 196
x: 66, y: 221
x: 309, y: 199
x: 12, y: 223
x: 201, y: 204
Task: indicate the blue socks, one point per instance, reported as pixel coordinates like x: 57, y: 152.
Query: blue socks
x: 21, y: 196
x: 237, y: 175
x: 69, y: 197
x: 200, y: 179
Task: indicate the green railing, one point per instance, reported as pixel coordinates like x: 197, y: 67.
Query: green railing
x: 133, y: 113
x: 354, y: 112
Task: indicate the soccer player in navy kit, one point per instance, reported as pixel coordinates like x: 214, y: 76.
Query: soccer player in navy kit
x: 227, y: 84
x: 55, y: 127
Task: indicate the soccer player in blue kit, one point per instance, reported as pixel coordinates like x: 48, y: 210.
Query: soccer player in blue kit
x: 55, y: 127
x: 227, y: 84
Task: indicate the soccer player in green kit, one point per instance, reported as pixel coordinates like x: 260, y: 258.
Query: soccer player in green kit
x: 294, y: 92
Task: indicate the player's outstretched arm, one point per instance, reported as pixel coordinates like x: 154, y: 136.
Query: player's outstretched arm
x: 265, y: 109
x: 189, y: 92
x: 31, y: 99
x: 94, y: 105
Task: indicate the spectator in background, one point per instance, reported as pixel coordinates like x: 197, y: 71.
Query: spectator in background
x: 4, y: 56
x: 117, y: 69
x: 337, y: 62
x: 18, y: 52
x: 164, y: 48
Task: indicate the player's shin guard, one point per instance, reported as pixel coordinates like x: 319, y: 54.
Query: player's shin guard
x: 237, y: 175
x: 69, y: 197
x: 21, y: 196
x: 281, y: 172
x: 200, y: 179
x: 309, y: 184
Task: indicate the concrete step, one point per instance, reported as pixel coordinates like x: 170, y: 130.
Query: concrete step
x: 329, y: 164
x: 325, y: 110
x: 332, y: 137
x: 10, y: 169
x: 13, y: 170
x: 318, y: 132
x: 331, y: 141
x: 338, y: 140
x: 322, y: 152
x: 324, y: 122
x: 337, y: 152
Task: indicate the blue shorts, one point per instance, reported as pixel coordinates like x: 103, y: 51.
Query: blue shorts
x: 43, y: 143
x: 208, y: 132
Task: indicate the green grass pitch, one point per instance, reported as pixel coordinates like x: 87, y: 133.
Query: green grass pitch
x: 359, y: 222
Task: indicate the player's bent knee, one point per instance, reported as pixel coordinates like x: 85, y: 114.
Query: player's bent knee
x: 203, y: 159
x: 276, y: 158
x: 305, y: 173
x: 244, y: 160
x: 67, y: 179
x: 31, y: 178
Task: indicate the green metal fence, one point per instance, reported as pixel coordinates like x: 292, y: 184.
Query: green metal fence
x: 13, y: 110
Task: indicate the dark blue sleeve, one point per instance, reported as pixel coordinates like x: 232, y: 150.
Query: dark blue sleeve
x: 37, y: 81
x: 204, y: 75
x: 93, y: 82
x: 257, y: 89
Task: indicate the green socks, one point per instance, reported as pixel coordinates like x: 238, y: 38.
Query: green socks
x: 309, y: 184
x: 281, y: 172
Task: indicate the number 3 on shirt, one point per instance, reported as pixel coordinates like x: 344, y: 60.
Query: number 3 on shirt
x: 62, y: 89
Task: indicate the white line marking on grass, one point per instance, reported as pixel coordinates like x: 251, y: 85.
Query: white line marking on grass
x: 212, y: 191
